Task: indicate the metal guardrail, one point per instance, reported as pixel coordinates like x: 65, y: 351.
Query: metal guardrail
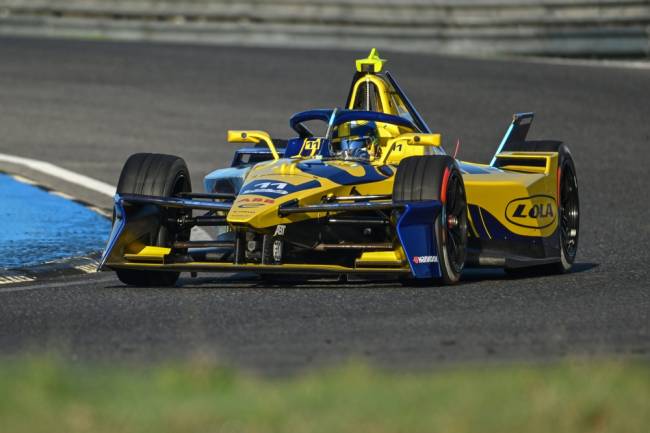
x: 545, y: 27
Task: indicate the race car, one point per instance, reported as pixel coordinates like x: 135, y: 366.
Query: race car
x: 372, y: 192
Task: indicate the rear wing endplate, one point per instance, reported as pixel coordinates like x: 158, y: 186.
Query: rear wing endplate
x: 517, y: 132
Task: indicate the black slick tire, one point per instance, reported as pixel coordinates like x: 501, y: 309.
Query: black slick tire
x: 568, y: 211
x: 437, y: 177
x: 156, y: 175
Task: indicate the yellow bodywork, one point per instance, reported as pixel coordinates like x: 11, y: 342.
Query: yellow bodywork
x: 253, y: 137
x: 503, y: 192
x: 519, y: 192
x: 258, y: 211
x: 149, y: 254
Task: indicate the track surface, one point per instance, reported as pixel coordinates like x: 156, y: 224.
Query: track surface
x: 87, y: 105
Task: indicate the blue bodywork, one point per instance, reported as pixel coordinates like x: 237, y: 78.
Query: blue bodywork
x: 343, y: 116
x: 119, y: 222
x: 415, y: 230
x: 316, y: 167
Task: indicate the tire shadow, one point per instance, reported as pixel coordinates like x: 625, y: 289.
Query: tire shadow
x: 252, y: 281
x: 485, y: 274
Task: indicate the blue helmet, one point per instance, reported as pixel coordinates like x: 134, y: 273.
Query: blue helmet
x: 359, y: 140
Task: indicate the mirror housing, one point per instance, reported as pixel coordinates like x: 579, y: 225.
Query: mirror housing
x: 415, y: 139
x: 245, y: 136
x: 410, y: 139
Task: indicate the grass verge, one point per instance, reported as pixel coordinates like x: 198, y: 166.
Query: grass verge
x: 46, y: 395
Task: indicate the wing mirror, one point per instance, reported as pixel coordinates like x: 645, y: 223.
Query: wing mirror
x: 410, y: 139
x: 414, y: 139
x: 253, y: 137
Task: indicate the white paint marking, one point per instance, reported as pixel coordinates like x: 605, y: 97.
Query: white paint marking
x: 62, y: 195
x: 61, y: 173
x: 16, y: 279
x: 101, y: 211
x: 596, y: 63
x: 23, y: 179
x: 50, y: 285
x: 89, y: 269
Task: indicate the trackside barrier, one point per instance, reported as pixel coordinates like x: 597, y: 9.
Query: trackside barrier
x: 604, y: 28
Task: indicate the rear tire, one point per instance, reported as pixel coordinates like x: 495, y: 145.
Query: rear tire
x: 437, y: 177
x: 568, y: 211
x: 156, y: 175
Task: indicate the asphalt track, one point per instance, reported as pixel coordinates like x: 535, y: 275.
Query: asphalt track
x: 87, y: 105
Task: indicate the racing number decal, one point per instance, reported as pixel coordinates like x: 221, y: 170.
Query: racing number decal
x: 310, y: 147
x: 278, y: 188
x: 273, y: 189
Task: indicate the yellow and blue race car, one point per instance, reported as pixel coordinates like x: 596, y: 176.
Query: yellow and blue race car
x: 370, y: 191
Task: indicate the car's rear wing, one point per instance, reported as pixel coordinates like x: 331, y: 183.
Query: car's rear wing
x: 517, y: 132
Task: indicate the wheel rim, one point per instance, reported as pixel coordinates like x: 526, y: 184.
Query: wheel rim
x: 569, y: 213
x: 455, y: 222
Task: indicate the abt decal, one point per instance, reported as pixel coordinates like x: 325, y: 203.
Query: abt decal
x: 248, y: 202
x: 534, y: 212
x: 425, y: 259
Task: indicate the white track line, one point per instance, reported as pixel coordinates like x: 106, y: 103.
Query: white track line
x: 61, y: 173
x: 12, y: 279
x: 57, y: 285
x: 88, y: 269
x: 594, y: 63
x: 79, y: 179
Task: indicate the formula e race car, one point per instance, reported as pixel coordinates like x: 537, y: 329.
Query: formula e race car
x: 373, y: 193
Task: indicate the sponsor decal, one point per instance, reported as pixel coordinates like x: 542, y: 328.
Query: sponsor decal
x: 240, y: 212
x: 274, y: 189
x: 418, y: 260
x: 534, y: 212
x: 250, y: 202
x: 279, y: 230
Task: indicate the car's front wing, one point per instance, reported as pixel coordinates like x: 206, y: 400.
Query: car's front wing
x: 416, y: 252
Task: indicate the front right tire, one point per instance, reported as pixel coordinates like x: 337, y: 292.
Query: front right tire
x: 157, y: 175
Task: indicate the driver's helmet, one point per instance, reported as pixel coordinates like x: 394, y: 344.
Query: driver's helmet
x: 358, y: 141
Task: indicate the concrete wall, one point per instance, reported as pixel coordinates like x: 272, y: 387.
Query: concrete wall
x: 605, y: 28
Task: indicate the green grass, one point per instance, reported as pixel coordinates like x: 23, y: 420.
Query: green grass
x: 44, y: 395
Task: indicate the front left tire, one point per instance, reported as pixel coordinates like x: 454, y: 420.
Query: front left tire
x: 437, y: 177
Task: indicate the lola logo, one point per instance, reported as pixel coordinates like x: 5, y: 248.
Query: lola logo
x: 534, y: 212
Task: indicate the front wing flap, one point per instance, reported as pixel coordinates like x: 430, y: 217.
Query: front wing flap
x: 134, y: 215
